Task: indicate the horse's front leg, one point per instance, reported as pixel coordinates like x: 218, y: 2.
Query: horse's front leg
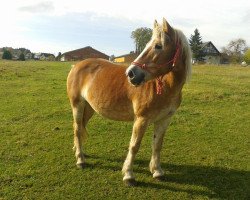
x: 139, y: 128
x: 159, y: 132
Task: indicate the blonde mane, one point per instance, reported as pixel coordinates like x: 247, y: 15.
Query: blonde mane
x: 185, y: 48
x: 186, y: 51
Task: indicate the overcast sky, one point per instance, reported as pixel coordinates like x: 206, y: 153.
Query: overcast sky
x: 54, y: 26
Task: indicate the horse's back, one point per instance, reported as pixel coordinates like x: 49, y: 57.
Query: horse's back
x: 83, y: 72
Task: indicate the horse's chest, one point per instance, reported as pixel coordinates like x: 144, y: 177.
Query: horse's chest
x: 157, y: 108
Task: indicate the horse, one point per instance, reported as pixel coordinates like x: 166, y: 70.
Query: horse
x: 149, y: 91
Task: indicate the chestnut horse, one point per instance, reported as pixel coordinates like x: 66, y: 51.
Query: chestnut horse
x: 148, y: 91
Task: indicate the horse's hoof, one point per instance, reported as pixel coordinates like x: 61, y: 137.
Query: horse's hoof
x: 160, y: 178
x: 130, y: 182
x: 81, y: 165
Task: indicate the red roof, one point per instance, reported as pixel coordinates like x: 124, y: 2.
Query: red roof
x: 84, y: 53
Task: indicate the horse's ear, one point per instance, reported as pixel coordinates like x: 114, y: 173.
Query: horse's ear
x: 166, y: 27
x: 156, y: 24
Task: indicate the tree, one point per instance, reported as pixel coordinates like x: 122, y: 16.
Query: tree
x: 51, y: 58
x: 24, y: 50
x: 58, y: 57
x: 195, y: 42
x: 21, y: 57
x: 235, y: 50
x: 7, y: 55
x: 112, y: 58
x: 247, y: 57
x: 141, y: 37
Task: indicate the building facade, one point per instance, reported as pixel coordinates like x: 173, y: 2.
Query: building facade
x: 127, y: 58
x: 211, y: 53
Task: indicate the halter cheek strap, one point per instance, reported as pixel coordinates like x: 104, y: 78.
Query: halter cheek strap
x: 159, y: 87
x: 160, y: 78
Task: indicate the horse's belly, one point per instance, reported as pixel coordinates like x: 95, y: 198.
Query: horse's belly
x: 112, y: 108
x: 118, y: 116
x: 114, y: 113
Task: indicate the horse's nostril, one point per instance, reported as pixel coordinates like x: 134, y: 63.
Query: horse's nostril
x: 131, y: 74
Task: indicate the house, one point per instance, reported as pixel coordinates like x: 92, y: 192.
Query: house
x: 211, y: 53
x: 44, y: 56
x: 37, y: 56
x: 83, y: 53
x: 127, y: 58
x: 47, y: 56
x: 28, y: 56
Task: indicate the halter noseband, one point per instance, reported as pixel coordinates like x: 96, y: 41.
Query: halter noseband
x: 159, y: 79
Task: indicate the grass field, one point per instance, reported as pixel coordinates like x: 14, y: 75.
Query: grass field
x: 205, y: 154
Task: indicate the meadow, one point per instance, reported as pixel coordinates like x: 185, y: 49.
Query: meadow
x: 205, y: 154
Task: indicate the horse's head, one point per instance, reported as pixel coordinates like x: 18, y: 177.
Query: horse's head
x: 157, y: 58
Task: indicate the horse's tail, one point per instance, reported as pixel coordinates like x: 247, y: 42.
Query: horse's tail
x: 84, y: 134
x: 87, y: 114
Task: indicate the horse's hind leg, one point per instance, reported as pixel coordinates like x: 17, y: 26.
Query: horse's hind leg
x: 82, y: 112
x: 78, y: 110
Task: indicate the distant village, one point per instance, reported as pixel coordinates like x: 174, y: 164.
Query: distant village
x: 210, y: 52
x: 28, y: 55
x: 213, y: 56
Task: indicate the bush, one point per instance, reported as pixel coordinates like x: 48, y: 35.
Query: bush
x: 247, y: 57
x: 22, y: 57
x: 7, y: 55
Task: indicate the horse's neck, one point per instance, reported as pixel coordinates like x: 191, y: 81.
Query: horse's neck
x: 175, y: 79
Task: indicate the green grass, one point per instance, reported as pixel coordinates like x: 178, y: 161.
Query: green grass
x: 205, y: 154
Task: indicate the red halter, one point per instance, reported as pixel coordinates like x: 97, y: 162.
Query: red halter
x: 159, y: 79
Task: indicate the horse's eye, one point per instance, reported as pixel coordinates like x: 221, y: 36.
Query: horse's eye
x: 157, y: 46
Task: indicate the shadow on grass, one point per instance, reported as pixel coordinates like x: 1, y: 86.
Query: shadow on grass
x: 219, y: 182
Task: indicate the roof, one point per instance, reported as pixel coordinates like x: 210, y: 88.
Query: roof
x: 205, y: 44
x: 87, y: 48
x: 47, y: 54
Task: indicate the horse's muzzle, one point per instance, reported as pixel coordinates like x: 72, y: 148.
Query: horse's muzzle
x: 135, y: 75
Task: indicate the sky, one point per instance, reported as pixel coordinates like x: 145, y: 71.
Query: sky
x: 53, y: 26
